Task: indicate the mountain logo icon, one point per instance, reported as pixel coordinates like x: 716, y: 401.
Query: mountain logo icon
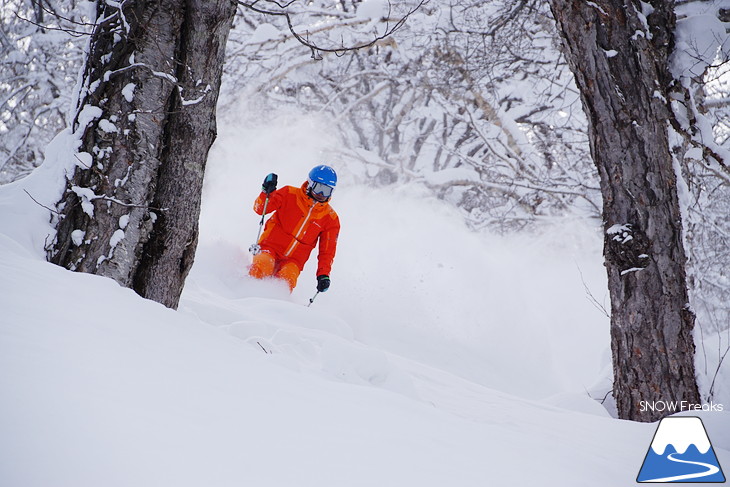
x: 681, y: 452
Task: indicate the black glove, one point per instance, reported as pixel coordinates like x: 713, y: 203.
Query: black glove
x: 323, y: 283
x: 269, y: 185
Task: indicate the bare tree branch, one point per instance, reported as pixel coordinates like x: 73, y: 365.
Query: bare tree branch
x: 303, y: 38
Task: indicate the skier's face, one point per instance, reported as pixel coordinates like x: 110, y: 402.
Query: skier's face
x: 320, y: 192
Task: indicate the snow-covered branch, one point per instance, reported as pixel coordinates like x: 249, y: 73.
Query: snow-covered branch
x: 342, y: 20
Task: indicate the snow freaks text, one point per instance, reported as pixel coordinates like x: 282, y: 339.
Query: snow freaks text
x: 678, y: 406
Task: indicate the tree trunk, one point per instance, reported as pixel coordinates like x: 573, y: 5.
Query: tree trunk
x: 146, y: 120
x: 621, y: 69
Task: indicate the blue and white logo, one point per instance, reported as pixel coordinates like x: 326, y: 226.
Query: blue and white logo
x: 681, y: 452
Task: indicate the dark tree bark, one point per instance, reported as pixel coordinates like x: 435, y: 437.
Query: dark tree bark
x: 621, y: 69
x: 146, y: 120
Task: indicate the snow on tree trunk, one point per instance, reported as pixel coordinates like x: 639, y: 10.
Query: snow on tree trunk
x: 146, y: 120
x: 619, y: 55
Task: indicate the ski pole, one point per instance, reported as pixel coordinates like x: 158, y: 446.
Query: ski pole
x: 256, y: 248
x: 312, y: 299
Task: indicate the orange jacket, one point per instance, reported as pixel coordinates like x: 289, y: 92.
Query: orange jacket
x: 298, y: 222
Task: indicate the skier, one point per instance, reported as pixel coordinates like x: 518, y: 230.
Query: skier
x: 302, y: 216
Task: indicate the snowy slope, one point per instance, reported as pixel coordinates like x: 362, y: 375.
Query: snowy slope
x: 438, y: 357
x: 130, y: 393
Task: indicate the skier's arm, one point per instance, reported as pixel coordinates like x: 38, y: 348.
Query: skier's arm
x: 275, y: 200
x: 268, y: 190
x: 328, y: 247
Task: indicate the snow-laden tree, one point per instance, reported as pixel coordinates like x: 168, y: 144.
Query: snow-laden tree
x: 470, y: 98
x: 639, y: 78
x: 40, y: 56
x: 145, y: 119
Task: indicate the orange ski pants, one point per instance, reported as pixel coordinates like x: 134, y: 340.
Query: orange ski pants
x: 265, y: 265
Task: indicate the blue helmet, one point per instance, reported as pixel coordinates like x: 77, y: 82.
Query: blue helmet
x: 323, y: 174
x: 322, y: 181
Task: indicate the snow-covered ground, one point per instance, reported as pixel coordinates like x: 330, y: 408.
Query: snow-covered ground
x: 438, y: 357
